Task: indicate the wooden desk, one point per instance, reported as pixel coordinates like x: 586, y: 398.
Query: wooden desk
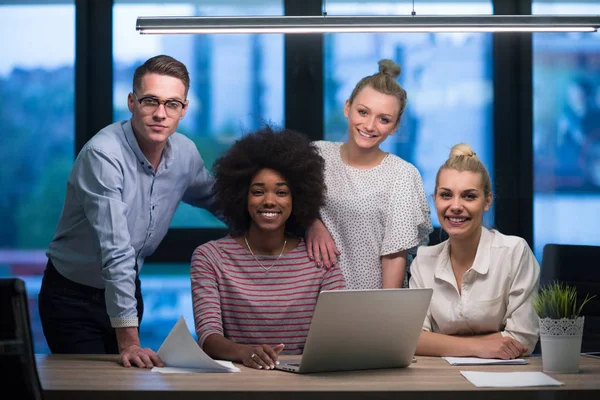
x: 92, y: 377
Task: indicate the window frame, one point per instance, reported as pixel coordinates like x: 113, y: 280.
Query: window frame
x: 303, y: 77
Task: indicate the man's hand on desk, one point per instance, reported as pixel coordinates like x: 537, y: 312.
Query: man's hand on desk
x: 132, y: 352
x: 142, y: 358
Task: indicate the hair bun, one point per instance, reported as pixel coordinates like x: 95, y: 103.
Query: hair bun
x: 462, y: 149
x: 388, y: 67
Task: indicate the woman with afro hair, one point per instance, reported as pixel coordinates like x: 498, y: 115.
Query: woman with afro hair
x: 254, y: 291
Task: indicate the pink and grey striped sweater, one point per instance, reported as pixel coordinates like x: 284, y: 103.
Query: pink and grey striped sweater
x: 234, y: 296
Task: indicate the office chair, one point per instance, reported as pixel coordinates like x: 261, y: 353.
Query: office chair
x: 437, y: 236
x: 579, y: 266
x: 17, y: 359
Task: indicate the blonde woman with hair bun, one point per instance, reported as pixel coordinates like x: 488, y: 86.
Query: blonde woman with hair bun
x: 375, y: 208
x: 483, y: 282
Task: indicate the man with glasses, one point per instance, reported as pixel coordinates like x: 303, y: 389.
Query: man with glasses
x: 123, y: 190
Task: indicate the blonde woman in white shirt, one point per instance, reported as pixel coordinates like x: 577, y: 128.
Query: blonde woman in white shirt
x: 483, y: 281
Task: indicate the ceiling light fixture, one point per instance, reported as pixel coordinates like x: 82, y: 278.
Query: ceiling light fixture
x: 353, y: 24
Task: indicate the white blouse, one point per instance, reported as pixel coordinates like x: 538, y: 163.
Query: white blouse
x: 497, y: 292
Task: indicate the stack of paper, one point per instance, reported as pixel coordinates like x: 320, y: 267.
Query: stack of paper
x: 509, y: 379
x: 181, y: 353
x: 482, y: 361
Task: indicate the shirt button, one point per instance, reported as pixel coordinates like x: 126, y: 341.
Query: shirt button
x: 153, y: 207
x: 460, y: 314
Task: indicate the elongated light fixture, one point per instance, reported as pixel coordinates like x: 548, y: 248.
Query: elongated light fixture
x: 349, y: 24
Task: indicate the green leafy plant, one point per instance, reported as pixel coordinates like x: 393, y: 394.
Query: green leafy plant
x: 558, y: 300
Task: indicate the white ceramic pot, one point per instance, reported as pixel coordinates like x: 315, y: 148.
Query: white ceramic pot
x: 561, y: 344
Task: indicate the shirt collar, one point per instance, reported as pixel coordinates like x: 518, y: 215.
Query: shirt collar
x: 167, y: 156
x: 443, y: 269
x: 481, y: 264
x: 168, y: 153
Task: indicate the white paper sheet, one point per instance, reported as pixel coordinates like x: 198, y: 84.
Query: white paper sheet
x: 181, y: 354
x: 482, y: 361
x: 509, y: 379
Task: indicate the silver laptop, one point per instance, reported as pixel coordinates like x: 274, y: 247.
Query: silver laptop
x: 362, y: 329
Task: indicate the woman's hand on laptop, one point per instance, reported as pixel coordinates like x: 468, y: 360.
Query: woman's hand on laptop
x: 262, y: 357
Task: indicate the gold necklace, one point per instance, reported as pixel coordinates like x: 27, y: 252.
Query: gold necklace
x: 261, y: 264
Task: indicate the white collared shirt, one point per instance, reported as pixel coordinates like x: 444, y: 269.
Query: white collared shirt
x: 496, y: 294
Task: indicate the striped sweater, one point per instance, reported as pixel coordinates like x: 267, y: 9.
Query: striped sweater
x: 233, y: 295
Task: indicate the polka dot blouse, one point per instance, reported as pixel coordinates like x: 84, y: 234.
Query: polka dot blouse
x: 371, y: 213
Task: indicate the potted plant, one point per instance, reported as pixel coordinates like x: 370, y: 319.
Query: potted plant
x: 561, y: 326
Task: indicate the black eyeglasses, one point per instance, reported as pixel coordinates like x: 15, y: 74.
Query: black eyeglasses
x: 173, y: 108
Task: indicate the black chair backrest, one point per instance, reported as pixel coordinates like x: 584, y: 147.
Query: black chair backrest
x: 17, y: 359
x: 437, y: 236
x: 570, y: 262
x: 579, y: 266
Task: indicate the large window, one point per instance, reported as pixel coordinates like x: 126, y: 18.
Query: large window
x: 236, y: 80
x: 37, y: 141
x: 238, y: 84
x: 448, y: 78
x: 566, y: 138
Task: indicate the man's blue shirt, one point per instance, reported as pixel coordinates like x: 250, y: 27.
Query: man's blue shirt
x: 118, y: 208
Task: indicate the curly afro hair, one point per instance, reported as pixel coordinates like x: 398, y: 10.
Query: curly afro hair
x: 288, y: 152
